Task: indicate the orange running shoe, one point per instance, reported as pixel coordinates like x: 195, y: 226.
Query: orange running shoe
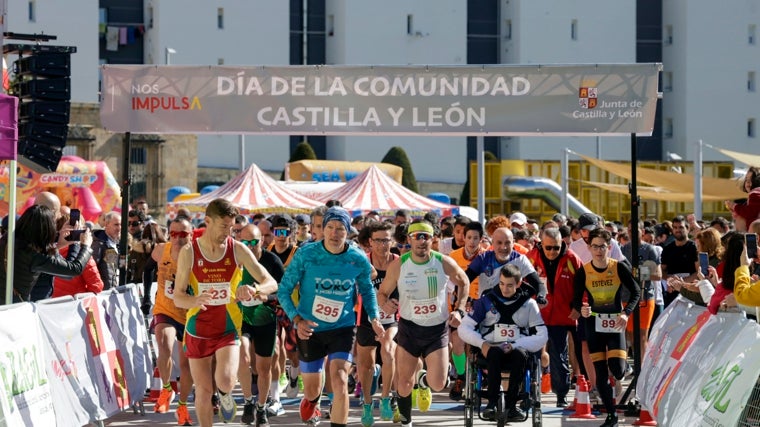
x: 164, y: 401
x: 183, y: 416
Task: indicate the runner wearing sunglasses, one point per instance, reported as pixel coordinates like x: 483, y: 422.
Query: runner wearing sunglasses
x: 420, y: 276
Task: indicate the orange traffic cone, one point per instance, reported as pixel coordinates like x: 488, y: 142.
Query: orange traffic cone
x: 578, y: 380
x: 645, y: 419
x: 583, y: 404
x: 546, y: 383
x: 155, y: 387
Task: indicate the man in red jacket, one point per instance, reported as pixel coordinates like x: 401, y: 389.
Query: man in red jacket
x: 556, y: 264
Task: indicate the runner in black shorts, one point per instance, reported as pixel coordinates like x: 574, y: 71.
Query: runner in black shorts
x: 380, y: 238
x: 258, y: 331
x: 603, y: 280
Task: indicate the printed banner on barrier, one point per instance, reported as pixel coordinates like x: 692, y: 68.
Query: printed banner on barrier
x: 127, y: 326
x: 606, y: 99
x: 25, y: 397
x: 68, y: 360
x: 699, y: 369
x: 107, y: 360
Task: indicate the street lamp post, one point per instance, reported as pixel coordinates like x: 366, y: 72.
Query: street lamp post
x: 168, y: 52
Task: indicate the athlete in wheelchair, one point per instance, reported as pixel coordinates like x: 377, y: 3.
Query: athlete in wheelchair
x: 506, y: 325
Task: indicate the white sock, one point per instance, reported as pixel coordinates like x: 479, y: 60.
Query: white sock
x: 274, y: 390
x: 294, y: 371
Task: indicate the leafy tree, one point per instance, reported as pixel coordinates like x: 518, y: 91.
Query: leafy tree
x: 464, y: 198
x: 397, y: 156
x: 303, y: 151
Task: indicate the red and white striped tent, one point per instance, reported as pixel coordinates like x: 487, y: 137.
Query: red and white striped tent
x: 252, y: 191
x: 373, y: 190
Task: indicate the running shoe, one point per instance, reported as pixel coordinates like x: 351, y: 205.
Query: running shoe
x: 425, y: 397
x: 456, y: 391
x: 215, y: 403
x: 396, y: 412
x: 358, y: 390
x: 307, y: 410
x: 248, y: 418
x: 283, y: 382
x: 274, y: 408
x: 183, y: 416
x: 367, y: 419
x: 386, y: 412
x: 292, y: 390
x: 261, y: 417
x: 165, y: 399
x: 227, y: 407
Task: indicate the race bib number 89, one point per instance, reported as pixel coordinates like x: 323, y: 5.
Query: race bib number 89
x: 219, y: 292
x: 327, y: 310
x: 606, y: 323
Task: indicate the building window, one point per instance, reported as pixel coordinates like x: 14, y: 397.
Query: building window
x: 667, y: 81
x: 508, y: 29
x: 751, y: 81
x: 220, y: 18
x: 751, y: 33
x: 330, y: 25
x: 667, y: 128
x: 751, y: 128
x: 410, y: 24
x: 574, y: 29
x: 138, y: 156
x: 32, y: 10
x: 668, y: 34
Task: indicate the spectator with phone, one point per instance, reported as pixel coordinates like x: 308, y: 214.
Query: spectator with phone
x: 35, y: 252
x: 89, y: 280
x: 723, y: 278
x: 745, y: 213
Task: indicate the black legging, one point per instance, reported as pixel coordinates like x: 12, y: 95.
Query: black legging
x: 515, y: 361
x: 600, y: 345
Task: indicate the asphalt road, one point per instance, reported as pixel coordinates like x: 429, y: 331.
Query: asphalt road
x: 443, y: 413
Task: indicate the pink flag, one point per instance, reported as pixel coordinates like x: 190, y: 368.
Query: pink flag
x: 8, y: 127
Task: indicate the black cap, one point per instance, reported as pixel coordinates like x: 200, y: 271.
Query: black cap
x: 303, y: 219
x: 283, y: 220
x: 588, y: 221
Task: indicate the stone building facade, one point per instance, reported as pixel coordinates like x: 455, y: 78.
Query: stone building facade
x: 157, y: 162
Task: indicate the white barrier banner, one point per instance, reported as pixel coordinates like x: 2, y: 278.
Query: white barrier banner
x: 700, y: 369
x: 127, y: 326
x: 660, y: 363
x: 107, y: 360
x: 68, y: 361
x: 25, y: 397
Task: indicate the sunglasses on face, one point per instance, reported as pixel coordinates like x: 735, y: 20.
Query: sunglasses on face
x: 421, y: 236
x: 403, y: 246
x: 135, y: 223
x: 178, y: 234
x: 382, y: 241
x: 552, y: 248
x: 281, y: 232
x: 250, y: 243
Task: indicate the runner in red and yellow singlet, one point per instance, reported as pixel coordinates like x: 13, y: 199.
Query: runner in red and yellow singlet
x: 206, y: 284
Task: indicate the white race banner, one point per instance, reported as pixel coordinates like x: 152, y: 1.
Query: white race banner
x: 68, y: 360
x: 25, y: 397
x: 493, y: 100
